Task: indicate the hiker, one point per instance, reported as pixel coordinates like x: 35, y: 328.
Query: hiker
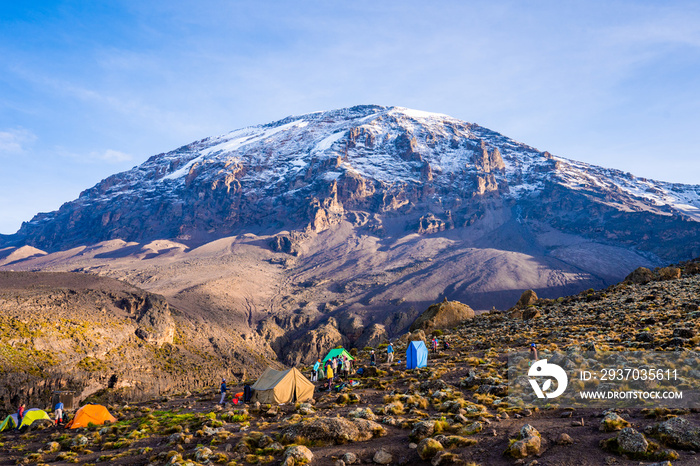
x: 341, y: 367
x: 390, y: 353
x: 446, y: 344
x: 334, y: 364
x: 329, y: 375
x: 346, y: 366
x: 247, y: 393
x: 20, y: 415
x: 58, y: 413
x: 372, y: 359
x: 533, y: 354
x: 314, y: 374
x: 223, y: 391
x: 435, y: 344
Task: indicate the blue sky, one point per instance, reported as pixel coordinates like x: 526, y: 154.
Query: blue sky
x: 91, y: 88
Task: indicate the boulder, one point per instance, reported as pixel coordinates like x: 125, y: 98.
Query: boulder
x: 529, y: 443
x: 350, y: 458
x: 669, y: 273
x: 631, y: 441
x: 564, y: 439
x: 422, y: 430
x: 528, y: 298
x: 443, y: 458
x: 428, y: 447
x: 612, y: 422
x: 299, y: 453
x: 383, y: 457
x: 677, y: 432
x: 442, y: 315
x: 334, y: 430
x: 640, y: 276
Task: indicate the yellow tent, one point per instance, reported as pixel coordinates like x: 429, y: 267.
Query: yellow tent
x: 32, y: 415
x: 282, y: 387
x: 10, y: 422
x: 95, y: 414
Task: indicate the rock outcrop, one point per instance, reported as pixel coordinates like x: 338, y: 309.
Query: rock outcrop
x: 441, y: 315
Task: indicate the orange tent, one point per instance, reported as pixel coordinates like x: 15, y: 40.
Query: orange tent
x: 96, y: 414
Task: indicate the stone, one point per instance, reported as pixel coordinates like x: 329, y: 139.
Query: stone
x: 528, y: 298
x: 422, y: 430
x: 442, y: 315
x: 564, y: 439
x: 444, y: 458
x: 80, y: 441
x: 631, y: 441
x: 383, y: 457
x: 299, y: 453
x: 669, y: 273
x: 640, y: 276
x: 334, y: 429
x: 473, y: 428
x: 428, y: 447
x: 612, y: 422
x: 52, y: 447
x: 350, y: 458
x: 679, y: 433
x: 202, y: 454
x: 529, y: 443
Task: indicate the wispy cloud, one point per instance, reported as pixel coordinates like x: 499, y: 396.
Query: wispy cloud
x: 113, y: 156
x: 15, y: 141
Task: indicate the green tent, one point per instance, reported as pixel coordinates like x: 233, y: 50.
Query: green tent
x: 32, y: 415
x: 10, y: 422
x: 338, y: 352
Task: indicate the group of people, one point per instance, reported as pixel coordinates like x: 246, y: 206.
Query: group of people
x: 339, y: 366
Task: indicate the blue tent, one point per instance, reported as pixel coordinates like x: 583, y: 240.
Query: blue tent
x: 416, y: 355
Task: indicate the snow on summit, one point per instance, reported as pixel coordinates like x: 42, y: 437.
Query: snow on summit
x: 392, y: 146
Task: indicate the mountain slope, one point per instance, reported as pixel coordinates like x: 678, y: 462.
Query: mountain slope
x: 342, y: 226
x: 87, y: 333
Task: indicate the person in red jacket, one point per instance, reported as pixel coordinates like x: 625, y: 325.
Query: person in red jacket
x: 20, y: 415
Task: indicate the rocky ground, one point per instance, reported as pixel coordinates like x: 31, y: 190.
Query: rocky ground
x: 87, y: 334
x: 455, y: 411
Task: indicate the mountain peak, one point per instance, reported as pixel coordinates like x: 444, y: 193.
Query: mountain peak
x: 312, y: 171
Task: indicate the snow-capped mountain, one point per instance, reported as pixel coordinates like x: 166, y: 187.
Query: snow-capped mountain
x: 313, y: 170
x: 341, y: 227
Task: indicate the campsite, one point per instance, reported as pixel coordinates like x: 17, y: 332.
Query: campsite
x: 456, y: 410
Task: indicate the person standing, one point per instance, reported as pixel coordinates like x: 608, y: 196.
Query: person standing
x: 58, y: 413
x: 223, y: 391
x: 372, y: 359
x: 533, y: 354
x: 435, y: 344
x: 20, y: 415
x: 329, y: 375
x: 314, y: 374
x: 390, y: 353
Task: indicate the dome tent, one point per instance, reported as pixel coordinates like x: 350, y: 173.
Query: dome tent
x: 10, y: 422
x: 338, y: 352
x: 32, y: 415
x: 90, y: 414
